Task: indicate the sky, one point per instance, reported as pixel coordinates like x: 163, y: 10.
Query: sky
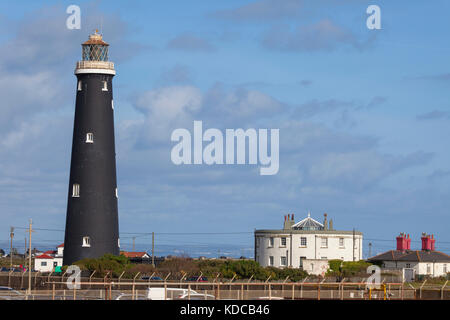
x: 363, y: 116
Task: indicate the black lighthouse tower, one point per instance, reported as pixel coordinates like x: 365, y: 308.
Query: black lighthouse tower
x: 92, y: 226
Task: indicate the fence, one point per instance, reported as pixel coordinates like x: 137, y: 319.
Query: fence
x: 55, y: 287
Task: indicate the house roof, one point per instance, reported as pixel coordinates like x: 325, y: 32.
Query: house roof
x: 50, y: 252
x: 134, y: 254
x: 412, y: 255
x: 61, y: 245
x: 44, y: 256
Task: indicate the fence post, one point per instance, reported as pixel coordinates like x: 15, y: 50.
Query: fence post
x: 53, y: 292
x: 90, y: 278
x: 442, y: 290
x: 189, y: 291
x: 293, y: 291
x: 133, y: 287
x: 420, y: 289
x: 242, y: 291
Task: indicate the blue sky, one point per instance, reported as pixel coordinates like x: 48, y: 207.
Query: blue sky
x: 363, y: 114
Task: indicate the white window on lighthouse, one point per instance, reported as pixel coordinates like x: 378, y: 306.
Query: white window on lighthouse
x: 75, y: 190
x: 79, y: 85
x: 86, y: 242
x: 105, y: 86
x: 112, y: 104
x: 117, y: 193
x: 90, y: 137
x: 118, y: 242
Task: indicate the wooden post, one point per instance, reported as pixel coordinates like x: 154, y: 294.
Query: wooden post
x: 218, y: 291
x: 442, y: 290
x: 242, y: 291
x: 420, y: 290
x: 53, y: 292
x: 189, y: 291
x: 293, y: 291
x: 90, y: 277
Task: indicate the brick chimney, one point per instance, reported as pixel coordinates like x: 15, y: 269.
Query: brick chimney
x: 288, y: 221
x: 402, y: 242
x: 408, y: 243
x: 427, y: 242
x: 433, y: 241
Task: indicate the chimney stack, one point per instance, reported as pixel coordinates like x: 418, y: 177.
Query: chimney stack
x: 427, y: 242
x: 325, y: 222
x: 402, y: 242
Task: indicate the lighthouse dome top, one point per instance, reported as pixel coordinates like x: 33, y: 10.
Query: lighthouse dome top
x: 95, y: 56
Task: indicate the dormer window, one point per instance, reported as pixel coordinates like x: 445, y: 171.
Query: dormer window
x: 105, y: 86
x: 79, y: 85
x: 86, y: 242
x: 90, y: 137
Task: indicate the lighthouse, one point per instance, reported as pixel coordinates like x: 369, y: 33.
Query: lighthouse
x: 92, y: 223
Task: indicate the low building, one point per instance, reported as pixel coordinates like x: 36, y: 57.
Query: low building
x: 50, y: 260
x: 306, y: 240
x: 412, y: 263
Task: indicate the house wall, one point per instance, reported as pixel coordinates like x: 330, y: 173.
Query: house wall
x: 433, y: 269
x: 39, y: 267
x: 314, y: 249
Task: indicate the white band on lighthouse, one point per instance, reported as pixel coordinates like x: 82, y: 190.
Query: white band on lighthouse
x: 103, y: 67
x: 103, y: 71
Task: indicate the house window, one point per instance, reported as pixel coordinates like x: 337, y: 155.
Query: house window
x: 283, y: 261
x: 271, y: 242
x: 75, y: 190
x: 444, y: 268
x: 86, y: 242
x: 283, y: 242
x: 90, y: 137
x: 105, y: 86
x: 324, y: 242
x: 43, y: 263
x: 341, y: 242
x: 55, y: 264
x: 324, y: 258
x: 428, y: 269
x: 303, y: 241
x: 79, y: 85
x: 408, y: 265
x: 271, y: 261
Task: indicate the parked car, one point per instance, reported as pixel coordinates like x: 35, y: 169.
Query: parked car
x: 152, y: 278
x: 7, y: 293
x: 197, y: 279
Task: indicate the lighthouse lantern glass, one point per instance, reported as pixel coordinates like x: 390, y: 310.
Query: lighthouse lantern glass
x: 95, y: 52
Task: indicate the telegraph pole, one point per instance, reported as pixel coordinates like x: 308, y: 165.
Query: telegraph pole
x: 11, y: 249
x: 25, y: 254
x: 370, y: 249
x: 153, y: 249
x: 30, y: 230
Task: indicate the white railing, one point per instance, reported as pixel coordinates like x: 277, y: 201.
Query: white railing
x: 95, y: 65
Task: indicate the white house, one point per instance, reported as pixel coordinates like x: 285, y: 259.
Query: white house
x: 308, y: 239
x: 49, y: 260
x: 425, y: 262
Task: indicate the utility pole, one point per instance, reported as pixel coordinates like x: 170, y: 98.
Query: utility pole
x: 11, y: 249
x: 30, y: 230
x: 153, y: 249
x: 370, y: 249
x: 25, y: 254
